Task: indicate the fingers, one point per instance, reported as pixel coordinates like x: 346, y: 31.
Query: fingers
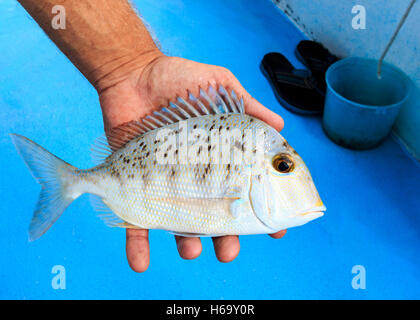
x: 226, y: 248
x: 252, y: 106
x: 279, y: 234
x: 188, y: 248
x: 138, y: 252
x: 137, y: 248
x: 257, y: 110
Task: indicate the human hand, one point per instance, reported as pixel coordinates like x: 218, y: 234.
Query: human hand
x: 147, y: 89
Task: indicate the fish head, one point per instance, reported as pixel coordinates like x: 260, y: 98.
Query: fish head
x: 284, y: 195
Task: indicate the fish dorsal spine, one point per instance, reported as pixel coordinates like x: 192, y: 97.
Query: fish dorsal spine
x: 209, y: 103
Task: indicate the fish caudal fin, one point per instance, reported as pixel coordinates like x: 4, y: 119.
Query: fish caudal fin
x: 53, y: 175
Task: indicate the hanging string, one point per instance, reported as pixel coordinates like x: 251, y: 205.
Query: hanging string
x: 400, y: 24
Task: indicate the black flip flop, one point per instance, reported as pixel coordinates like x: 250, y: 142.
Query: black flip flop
x: 295, y: 89
x: 317, y: 58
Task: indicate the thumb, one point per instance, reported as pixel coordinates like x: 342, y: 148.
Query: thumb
x: 254, y: 108
x: 257, y: 110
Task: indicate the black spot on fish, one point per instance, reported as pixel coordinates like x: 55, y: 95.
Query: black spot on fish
x: 145, y: 178
x: 228, y: 171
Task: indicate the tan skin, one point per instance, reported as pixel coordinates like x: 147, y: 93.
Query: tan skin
x: 152, y: 86
x: 133, y: 78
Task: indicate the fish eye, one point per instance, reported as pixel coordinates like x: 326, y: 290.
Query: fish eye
x: 283, y: 163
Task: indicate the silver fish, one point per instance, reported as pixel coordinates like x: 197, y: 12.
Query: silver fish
x: 200, y: 167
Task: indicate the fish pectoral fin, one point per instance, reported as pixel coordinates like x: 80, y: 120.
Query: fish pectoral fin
x: 236, y: 207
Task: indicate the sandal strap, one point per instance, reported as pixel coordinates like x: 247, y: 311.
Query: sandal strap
x: 297, y: 77
x: 321, y: 65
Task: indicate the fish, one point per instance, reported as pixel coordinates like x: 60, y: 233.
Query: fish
x: 199, y: 166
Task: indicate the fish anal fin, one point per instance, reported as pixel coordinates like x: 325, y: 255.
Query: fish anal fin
x: 107, y: 215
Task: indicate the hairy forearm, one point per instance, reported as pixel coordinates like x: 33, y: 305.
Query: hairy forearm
x: 104, y: 39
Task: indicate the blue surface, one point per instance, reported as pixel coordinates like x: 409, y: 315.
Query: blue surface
x: 372, y: 196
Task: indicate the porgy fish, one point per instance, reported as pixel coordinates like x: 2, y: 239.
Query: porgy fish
x: 198, y: 167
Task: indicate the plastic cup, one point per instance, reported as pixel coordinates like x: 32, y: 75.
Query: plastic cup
x: 360, y: 109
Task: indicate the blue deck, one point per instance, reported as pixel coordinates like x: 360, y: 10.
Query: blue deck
x: 373, y: 216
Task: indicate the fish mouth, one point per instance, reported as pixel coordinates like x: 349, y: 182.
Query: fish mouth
x: 316, y: 212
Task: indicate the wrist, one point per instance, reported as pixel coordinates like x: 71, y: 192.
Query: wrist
x: 121, y: 69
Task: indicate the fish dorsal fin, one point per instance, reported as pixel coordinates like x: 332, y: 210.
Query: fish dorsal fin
x: 116, y: 138
x: 210, y: 102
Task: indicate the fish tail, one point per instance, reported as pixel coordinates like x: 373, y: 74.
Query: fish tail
x: 56, y: 178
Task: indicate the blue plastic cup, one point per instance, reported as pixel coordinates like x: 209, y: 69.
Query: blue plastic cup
x: 360, y: 109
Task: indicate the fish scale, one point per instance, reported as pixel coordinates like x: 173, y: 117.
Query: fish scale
x: 168, y: 171
x: 161, y: 200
